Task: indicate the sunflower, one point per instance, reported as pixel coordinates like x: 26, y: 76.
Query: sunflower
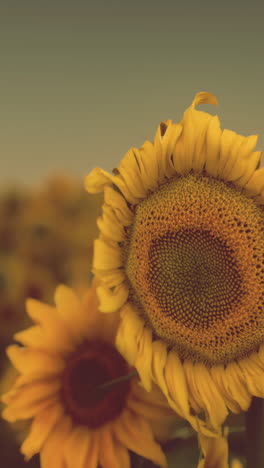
x: 181, y: 255
x: 71, y: 384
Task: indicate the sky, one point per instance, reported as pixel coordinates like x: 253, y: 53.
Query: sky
x: 81, y: 82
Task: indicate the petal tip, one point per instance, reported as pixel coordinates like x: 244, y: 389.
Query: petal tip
x: 204, y: 98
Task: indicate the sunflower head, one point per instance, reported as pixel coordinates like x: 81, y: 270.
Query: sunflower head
x: 181, y: 248
x: 83, y: 399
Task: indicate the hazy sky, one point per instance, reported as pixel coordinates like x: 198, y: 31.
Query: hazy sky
x: 81, y: 82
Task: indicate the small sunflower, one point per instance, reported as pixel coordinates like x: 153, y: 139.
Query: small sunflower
x: 65, y: 363
x: 181, y: 255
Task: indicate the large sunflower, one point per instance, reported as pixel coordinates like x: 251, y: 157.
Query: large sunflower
x: 181, y: 254
x: 66, y: 359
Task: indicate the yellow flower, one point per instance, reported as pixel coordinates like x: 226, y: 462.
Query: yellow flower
x: 67, y: 355
x: 180, y: 254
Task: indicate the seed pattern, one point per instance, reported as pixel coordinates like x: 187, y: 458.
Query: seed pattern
x: 195, y: 263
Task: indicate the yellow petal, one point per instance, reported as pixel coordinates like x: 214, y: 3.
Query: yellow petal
x: 255, y: 185
x: 96, y: 325
x: 214, y: 403
x: 229, y: 150
x: 176, y: 383
x: 112, y: 454
x: 40, y: 429
x: 204, y: 97
x: 215, y: 451
x: 129, y: 171
x: 235, y: 385
x: 30, y: 361
x: 52, y: 339
x: 206, y: 394
x: 253, y: 373
x: 151, y: 405
x: 144, y: 358
x: 93, y: 450
x: 212, y: 147
x: 168, y: 142
x: 188, y: 152
x: 97, y: 180
x: 148, y: 165
x: 178, y: 393
x: 159, y: 358
x: 164, y: 145
x: 29, y: 411
x: 29, y: 394
x: 110, y: 226
x: 111, y: 300
x: 68, y: 310
x: 47, y: 317
x: 135, y: 433
x: 117, y: 202
x: 219, y: 377
x: 249, y: 168
x: 106, y: 256
x: 193, y: 397
x: 76, y: 447
x: 129, y: 333
x: 51, y: 455
x: 261, y: 353
x: 110, y: 278
x: 66, y: 302
x: 241, y: 151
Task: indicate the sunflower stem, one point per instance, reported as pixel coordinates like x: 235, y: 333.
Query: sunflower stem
x: 123, y: 378
x: 255, y: 434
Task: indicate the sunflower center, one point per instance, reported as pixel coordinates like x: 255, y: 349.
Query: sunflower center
x: 86, y: 392
x: 195, y: 262
x: 194, y: 272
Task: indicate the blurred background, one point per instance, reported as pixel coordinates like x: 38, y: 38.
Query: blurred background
x: 80, y: 83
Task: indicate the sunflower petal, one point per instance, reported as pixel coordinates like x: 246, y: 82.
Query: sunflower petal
x: 215, y: 451
x: 76, y: 447
x: 206, y: 393
x: 29, y: 394
x: 129, y: 171
x: 30, y: 361
x: 144, y: 357
x: 40, y: 429
x: 106, y: 256
x: 111, y: 300
x: 96, y: 181
x: 119, y: 205
x: 255, y: 185
x: 50, y: 340
x: 28, y: 411
x: 50, y: 456
x: 110, y: 226
x: 212, y: 147
x: 235, y: 384
x: 129, y: 333
x: 135, y: 433
x: 110, y: 278
x: 218, y: 375
x: 112, y: 454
